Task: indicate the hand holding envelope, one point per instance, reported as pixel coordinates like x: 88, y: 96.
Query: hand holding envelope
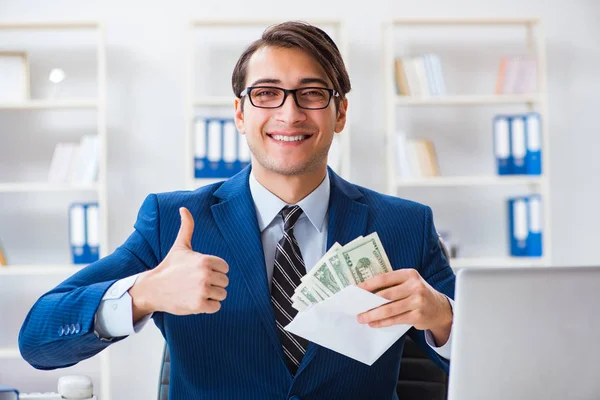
x: 329, y: 302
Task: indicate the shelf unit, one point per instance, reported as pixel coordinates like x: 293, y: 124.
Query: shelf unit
x: 193, y: 102
x: 534, y: 42
x: 97, y: 104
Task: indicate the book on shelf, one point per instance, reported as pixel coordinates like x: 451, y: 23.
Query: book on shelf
x: 419, y: 75
x: 2, y: 256
x: 416, y: 158
x: 516, y: 75
x: 75, y: 163
x: 517, y: 144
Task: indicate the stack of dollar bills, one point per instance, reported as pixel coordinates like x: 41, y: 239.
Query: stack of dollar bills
x: 341, y: 266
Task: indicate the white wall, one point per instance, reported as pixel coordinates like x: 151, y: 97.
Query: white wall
x: 146, y: 42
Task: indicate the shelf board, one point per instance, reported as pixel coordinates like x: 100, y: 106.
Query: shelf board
x: 497, y: 262
x: 465, y: 21
x: 41, y: 269
x: 50, y: 104
x: 254, y: 22
x: 47, y: 187
x: 448, y: 181
x: 44, y: 25
x: 9, y: 352
x: 214, y: 101
x: 465, y: 100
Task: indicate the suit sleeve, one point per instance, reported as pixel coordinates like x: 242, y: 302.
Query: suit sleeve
x: 435, y: 269
x: 58, y: 331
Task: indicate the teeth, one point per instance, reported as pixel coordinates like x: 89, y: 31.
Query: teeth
x: 289, y: 138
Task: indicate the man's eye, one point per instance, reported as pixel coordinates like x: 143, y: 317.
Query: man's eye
x: 313, y: 93
x: 266, y: 93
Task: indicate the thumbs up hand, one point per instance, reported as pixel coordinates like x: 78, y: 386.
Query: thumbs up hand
x: 185, y: 282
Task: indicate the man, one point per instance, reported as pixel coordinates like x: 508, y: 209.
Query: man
x: 214, y: 267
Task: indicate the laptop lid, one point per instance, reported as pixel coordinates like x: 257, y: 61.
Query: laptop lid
x: 526, y: 333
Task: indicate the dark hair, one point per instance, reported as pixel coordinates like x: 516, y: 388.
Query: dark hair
x: 301, y: 35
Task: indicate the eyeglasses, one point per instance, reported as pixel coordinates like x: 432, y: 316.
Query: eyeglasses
x: 308, y: 98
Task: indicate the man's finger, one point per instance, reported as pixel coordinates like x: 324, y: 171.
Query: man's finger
x: 186, y: 230
x: 385, y: 311
x: 386, y: 280
x: 217, y: 263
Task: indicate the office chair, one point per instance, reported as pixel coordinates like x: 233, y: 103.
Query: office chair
x: 420, y: 378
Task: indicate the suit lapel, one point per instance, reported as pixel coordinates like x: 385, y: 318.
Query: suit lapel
x: 236, y: 219
x: 347, y: 219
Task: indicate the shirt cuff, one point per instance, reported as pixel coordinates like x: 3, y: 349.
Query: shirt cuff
x: 444, y: 350
x: 114, y: 316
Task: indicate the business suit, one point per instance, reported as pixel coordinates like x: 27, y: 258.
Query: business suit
x: 239, y: 348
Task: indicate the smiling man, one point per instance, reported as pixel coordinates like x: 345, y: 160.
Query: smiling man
x: 215, y: 268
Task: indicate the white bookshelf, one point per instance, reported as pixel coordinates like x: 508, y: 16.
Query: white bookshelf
x: 99, y: 188
x: 8, y: 187
x: 51, y: 104
x: 452, y: 181
x: 193, y: 102
x: 40, y: 270
x: 533, y: 41
x: 497, y: 262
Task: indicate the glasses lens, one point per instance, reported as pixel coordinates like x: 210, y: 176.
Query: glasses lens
x: 266, y: 97
x: 313, y: 97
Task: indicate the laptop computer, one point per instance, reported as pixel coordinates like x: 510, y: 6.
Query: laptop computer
x: 526, y: 333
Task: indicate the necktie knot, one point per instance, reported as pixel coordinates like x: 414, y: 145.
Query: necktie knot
x: 290, y: 215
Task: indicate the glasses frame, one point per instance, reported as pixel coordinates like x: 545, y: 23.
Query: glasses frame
x: 332, y: 93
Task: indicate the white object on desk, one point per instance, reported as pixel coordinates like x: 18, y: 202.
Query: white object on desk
x: 70, y: 387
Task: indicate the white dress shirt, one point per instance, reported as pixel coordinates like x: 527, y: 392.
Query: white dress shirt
x: 114, y: 315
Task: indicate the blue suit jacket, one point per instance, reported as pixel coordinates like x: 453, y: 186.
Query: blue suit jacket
x: 236, y: 353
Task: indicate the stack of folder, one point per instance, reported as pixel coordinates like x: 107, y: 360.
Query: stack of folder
x: 517, y: 144
x: 220, y: 151
x: 84, y: 232
x: 525, y: 226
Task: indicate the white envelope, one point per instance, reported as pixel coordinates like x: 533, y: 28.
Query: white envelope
x: 332, y: 323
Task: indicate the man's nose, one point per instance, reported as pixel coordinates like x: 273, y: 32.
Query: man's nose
x: 289, y: 111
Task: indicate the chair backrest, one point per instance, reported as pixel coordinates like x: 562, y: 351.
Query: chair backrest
x: 419, y: 377
x: 165, y: 375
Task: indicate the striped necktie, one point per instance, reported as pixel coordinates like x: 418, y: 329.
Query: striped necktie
x: 288, y: 269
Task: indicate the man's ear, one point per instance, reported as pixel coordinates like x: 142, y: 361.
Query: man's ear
x: 239, y: 116
x: 340, y: 121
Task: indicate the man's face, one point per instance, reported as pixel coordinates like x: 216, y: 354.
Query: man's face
x: 266, y: 129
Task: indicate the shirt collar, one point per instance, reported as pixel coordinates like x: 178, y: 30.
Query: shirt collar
x: 268, y: 205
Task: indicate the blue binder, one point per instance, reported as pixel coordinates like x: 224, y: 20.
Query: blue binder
x: 8, y: 393
x: 534, y: 239
x: 518, y: 230
x: 83, y: 232
x: 533, y: 157
x: 525, y: 226
x: 518, y: 145
x: 219, y: 148
x: 502, y: 145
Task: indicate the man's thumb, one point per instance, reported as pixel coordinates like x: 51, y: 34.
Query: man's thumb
x: 184, y: 237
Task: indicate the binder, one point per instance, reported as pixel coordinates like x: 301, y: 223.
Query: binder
x: 92, y: 232
x: 518, y: 226
x: 518, y: 146
x: 533, y: 156
x: 77, y: 233
x: 534, y: 239
x: 219, y: 151
x: 83, y: 232
x: 525, y: 226
x: 502, y: 146
x: 8, y: 393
